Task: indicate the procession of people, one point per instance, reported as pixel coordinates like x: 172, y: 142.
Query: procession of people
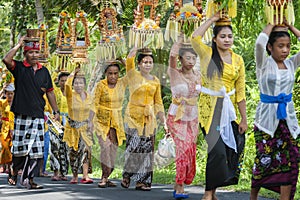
x: 210, y: 101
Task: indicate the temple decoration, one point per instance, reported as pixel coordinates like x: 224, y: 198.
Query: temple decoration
x: 228, y: 10
x: 62, y: 59
x: 6, y: 77
x: 62, y: 62
x: 32, y: 35
x: 80, y: 38
x: 112, y: 42
x: 277, y: 10
x: 145, y: 32
x: 64, y: 34
x: 184, y: 19
x: 44, y: 51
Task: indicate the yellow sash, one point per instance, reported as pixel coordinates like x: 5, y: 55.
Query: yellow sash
x: 181, y: 102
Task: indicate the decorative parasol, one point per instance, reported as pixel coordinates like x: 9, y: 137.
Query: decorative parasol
x: 277, y: 10
x: 112, y: 43
x: 185, y: 19
x: 146, y: 31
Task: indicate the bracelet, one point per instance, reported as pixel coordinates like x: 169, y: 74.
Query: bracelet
x: 56, y: 112
x: 174, y: 52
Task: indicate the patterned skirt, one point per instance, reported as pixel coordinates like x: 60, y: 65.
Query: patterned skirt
x: 277, y: 158
x: 28, y: 137
x: 185, y: 135
x: 58, y: 154
x: 138, y: 157
x: 79, y: 157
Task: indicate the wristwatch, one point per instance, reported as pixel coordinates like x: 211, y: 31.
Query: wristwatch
x: 56, y: 112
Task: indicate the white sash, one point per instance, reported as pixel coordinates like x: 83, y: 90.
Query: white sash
x: 227, y: 116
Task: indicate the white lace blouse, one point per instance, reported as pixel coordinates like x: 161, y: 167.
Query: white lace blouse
x: 273, y: 81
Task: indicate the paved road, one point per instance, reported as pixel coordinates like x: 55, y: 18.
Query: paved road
x: 61, y: 190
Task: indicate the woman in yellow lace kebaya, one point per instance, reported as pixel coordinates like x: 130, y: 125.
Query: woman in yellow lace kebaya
x: 7, y: 127
x: 78, y: 130
x: 182, y: 119
x: 223, y: 93
x: 109, y: 126
x: 145, y: 103
x: 59, y: 161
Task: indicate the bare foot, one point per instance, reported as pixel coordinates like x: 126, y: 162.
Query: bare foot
x: 214, y: 194
x: 74, y: 180
x: 179, y: 188
x: 208, y: 195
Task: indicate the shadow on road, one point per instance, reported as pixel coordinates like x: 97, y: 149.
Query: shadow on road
x: 62, y: 190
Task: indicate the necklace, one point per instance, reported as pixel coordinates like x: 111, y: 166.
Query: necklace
x: 190, y: 77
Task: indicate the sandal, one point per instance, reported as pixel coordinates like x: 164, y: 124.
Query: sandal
x: 74, y: 181
x: 143, y: 187
x: 31, y: 185
x: 111, y: 184
x: 35, y: 186
x: 63, y: 178
x: 55, y: 178
x: 86, y: 181
x: 43, y: 175
x: 12, y: 179
x: 103, y: 184
x: 125, y: 183
x: 181, y: 196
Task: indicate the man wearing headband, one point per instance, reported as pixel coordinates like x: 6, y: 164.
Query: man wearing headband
x: 32, y: 81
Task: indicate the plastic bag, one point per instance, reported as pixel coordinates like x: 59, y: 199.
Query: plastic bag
x: 165, y: 153
x: 166, y: 147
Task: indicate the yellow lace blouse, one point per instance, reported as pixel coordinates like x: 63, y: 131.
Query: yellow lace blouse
x: 108, y: 103
x: 233, y: 78
x: 144, y: 102
x: 61, y: 100
x: 78, y: 110
x: 7, y: 118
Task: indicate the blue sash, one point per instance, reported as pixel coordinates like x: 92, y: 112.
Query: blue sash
x: 282, y: 100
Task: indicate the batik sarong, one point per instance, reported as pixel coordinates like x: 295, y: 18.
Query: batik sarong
x: 276, y: 161
x: 138, y: 157
x: 58, y: 154
x: 79, y: 157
